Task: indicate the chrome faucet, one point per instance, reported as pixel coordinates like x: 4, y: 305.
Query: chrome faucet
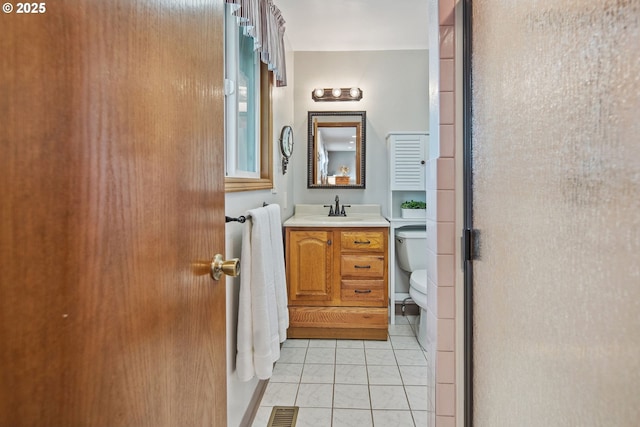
x: 337, y: 211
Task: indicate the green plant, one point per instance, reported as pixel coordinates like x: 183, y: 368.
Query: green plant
x: 413, y: 204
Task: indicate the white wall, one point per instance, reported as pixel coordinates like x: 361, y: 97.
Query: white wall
x: 395, y: 97
x: 239, y: 393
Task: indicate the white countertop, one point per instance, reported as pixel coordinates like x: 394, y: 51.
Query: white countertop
x: 318, y: 216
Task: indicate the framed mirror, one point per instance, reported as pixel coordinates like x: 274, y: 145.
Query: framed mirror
x: 336, y: 149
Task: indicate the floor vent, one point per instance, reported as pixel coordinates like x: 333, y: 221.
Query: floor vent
x: 283, y: 416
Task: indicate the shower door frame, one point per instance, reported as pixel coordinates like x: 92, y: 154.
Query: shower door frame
x: 469, y: 235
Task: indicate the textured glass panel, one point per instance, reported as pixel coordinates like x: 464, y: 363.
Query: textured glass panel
x: 556, y: 134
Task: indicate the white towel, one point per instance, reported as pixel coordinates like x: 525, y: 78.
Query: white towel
x: 260, y: 317
x: 244, y: 356
x: 280, y: 275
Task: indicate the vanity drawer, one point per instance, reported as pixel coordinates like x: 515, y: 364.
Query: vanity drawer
x: 362, y: 266
x: 364, y: 241
x: 363, y: 292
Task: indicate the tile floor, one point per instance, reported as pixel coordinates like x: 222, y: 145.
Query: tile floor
x: 362, y: 383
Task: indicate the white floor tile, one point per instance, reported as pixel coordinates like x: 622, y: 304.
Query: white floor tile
x: 380, y: 357
x: 318, y: 374
x: 343, y: 383
x: 388, y: 397
x: 315, y: 396
x: 420, y: 418
x: 418, y: 397
x: 384, y: 375
x: 321, y: 355
x: 350, y: 344
x: 392, y: 418
x: 404, y: 330
x: 414, y: 375
x: 411, y: 357
x: 292, y: 355
x: 313, y: 417
x: 350, y: 356
x: 404, y: 343
x: 352, y: 418
x: 351, y: 374
x: 322, y: 343
x: 378, y: 345
x: 294, y: 342
x: 262, y: 416
x: 402, y: 320
x: 286, y: 373
x: 279, y: 394
x: 351, y: 396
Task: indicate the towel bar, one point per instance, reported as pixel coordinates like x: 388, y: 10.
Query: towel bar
x: 242, y: 218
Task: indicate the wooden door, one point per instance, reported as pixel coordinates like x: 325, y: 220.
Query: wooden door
x: 310, y: 271
x: 111, y: 147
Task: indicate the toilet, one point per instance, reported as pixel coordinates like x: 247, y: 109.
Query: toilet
x: 411, y: 252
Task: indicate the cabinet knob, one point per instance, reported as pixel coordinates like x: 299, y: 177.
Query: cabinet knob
x: 329, y: 242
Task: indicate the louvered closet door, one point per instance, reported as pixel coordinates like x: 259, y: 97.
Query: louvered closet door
x: 408, y: 161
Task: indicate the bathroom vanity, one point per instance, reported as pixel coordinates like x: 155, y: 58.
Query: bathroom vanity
x: 337, y: 273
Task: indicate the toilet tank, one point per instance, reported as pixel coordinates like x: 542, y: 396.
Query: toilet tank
x: 411, y: 248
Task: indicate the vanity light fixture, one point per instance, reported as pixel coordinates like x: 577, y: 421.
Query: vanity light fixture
x: 337, y: 94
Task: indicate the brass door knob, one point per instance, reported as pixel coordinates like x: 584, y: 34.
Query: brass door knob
x: 219, y: 266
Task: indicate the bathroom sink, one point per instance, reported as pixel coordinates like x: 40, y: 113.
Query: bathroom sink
x: 326, y: 218
x: 307, y: 215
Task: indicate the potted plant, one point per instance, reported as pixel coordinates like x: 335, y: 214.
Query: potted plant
x: 414, y: 209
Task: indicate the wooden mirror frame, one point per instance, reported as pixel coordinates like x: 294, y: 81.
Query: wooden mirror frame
x: 360, y: 123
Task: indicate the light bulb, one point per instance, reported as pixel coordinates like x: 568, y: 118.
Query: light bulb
x: 354, y: 92
x: 318, y: 92
x: 336, y: 92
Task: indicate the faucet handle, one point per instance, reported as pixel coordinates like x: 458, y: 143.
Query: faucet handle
x: 343, y: 212
x: 330, y: 209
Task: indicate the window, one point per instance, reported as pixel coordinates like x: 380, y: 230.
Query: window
x: 248, y: 159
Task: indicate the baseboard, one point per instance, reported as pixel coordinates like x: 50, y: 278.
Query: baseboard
x: 254, y: 404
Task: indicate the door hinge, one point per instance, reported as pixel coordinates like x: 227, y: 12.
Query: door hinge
x: 470, y: 244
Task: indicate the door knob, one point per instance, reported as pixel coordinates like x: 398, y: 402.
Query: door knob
x: 229, y: 267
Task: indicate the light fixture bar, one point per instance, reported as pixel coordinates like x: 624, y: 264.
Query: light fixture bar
x: 337, y: 94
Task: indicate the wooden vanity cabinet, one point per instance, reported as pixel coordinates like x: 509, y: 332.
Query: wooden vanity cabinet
x: 337, y: 282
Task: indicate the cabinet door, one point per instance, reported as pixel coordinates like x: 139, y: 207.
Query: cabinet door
x: 408, y: 159
x: 310, y: 266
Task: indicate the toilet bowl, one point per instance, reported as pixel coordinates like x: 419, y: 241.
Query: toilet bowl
x: 411, y: 251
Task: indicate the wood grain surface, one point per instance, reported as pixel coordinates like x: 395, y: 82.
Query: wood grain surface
x: 112, y: 203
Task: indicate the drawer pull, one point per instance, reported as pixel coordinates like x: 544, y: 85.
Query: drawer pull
x: 362, y: 291
x: 362, y: 242
x: 362, y: 266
